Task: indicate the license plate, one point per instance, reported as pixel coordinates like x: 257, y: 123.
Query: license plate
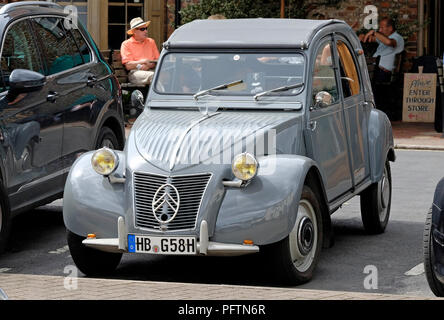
x: 161, y: 245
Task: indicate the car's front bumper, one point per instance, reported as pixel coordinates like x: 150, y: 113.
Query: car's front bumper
x: 204, y: 245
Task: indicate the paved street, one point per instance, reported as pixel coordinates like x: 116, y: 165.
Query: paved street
x: 38, y: 245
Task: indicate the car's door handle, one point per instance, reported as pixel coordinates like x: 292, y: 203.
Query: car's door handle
x: 52, y: 96
x: 313, y: 125
x: 92, y: 80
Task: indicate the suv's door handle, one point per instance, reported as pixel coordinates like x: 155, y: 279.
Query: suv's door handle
x: 92, y: 80
x: 52, y: 96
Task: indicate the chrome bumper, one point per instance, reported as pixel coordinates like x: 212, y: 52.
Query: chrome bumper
x: 204, y: 246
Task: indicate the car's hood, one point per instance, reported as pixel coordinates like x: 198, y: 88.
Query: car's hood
x: 176, y: 139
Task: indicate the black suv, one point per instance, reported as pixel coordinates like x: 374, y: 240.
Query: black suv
x: 58, y: 99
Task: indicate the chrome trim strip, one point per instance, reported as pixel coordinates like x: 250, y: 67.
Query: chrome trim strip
x: 176, y: 148
x: 41, y: 180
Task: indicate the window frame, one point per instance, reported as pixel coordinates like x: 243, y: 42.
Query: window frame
x: 340, y: 37
x: 332, y: 40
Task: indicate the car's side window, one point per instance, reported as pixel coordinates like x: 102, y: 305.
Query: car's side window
x: 324, y: 79
x: 349, y: 73
x: 82, y: 45
x: 19, y: 52
x: 59, y: 48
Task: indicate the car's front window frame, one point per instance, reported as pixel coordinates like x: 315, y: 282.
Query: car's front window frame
x: 270, y: 52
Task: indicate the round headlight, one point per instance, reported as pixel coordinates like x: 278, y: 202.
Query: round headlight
x: 244, y: 166
x: 104, y: 161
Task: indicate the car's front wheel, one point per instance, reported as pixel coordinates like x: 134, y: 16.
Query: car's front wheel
x: 295, y: 257
x: 90, y: 261
x: 375, y: 203
x: 435, y: 285
x: 108, y: 139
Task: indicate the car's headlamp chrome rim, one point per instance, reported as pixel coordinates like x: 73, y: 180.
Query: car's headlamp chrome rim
x: 104, y: 161
x: 244, y: 166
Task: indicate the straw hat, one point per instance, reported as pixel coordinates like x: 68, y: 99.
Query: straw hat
x: 137, y: 23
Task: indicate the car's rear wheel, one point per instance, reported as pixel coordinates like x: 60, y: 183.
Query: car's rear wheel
x: 90, y: 261
x: 435, y: 285
x: 375, y: 203
x: 108, y: 139
x: 295, y: 257
x: 5, y: 219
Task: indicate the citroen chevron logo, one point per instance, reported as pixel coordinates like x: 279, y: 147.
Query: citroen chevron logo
x: 163, y: 197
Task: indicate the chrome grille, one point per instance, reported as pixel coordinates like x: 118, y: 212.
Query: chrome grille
x: 190, y: 187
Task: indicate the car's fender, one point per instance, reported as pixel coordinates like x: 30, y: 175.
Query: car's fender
x: 265, y: 211
x: 380, y: 141
x: 91, y: 204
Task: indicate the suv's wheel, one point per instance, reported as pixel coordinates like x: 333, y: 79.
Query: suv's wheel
x: 435, y: 285
x: 375, y: 203
x: 108, y: 139
x: 90, y: 261
x: 295, y: 257
x: 5, y: 219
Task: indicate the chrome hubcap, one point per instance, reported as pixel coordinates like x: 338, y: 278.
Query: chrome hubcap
x: 304, y: 237
x: 384, y: 194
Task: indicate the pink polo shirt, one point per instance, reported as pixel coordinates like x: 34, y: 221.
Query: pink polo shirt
x: 132, y: 50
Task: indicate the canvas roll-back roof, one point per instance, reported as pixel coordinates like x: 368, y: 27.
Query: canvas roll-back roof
x: 247, y: 33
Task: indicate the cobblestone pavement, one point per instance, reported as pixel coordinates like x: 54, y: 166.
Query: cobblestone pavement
x: 32, y: 287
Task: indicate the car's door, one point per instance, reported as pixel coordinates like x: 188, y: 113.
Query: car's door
x: 31, y: 127
x: 327, y: 130
x: 76, y: 82
x: 355, y: 110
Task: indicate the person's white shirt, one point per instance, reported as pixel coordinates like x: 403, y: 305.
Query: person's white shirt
x: 388, y: 53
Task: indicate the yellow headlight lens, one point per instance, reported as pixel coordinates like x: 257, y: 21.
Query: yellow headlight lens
x: 244, y: 166
x: 104, y: 161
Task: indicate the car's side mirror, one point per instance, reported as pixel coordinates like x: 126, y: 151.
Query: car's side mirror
x: 137, y: 100
x: 22, y: 80
x: 322, y: 99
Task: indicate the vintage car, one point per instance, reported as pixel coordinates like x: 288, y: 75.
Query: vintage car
x: 253, y: 133
x: 434, y: 242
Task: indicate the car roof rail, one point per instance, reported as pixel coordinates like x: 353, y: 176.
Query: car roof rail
x: 10, y: 6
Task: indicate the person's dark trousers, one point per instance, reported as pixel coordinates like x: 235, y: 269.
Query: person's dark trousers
x: 382, y: 88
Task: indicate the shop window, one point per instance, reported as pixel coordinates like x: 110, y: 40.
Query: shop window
x: 120, y: 13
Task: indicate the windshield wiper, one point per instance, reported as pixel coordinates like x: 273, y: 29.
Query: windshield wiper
x: 284, y: 88
x: 221, y: 87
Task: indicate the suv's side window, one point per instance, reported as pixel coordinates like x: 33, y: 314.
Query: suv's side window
x: 82, y: 45
x: 19, y: 52
x: 349, y: 74
x: 324, y: 73
x: 59, y: 48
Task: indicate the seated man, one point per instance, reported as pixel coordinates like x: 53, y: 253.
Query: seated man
x: 139, y: 53
x: 390, y: 43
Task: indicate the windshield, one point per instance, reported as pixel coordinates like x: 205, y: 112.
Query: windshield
x: 189, y: 73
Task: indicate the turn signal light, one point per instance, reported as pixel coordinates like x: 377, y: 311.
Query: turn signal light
x: 91, y: 236
x: 248, y: 242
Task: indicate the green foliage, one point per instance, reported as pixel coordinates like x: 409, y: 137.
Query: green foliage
x: 231, y: 9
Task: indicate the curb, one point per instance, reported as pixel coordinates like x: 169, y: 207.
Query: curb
x: 418, y: 147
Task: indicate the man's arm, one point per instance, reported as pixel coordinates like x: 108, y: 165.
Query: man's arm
x: 144, y: 64
x: 385, y: 40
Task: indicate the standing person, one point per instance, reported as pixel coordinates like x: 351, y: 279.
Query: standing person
x: 139, y: 53
x: 390, y: 43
